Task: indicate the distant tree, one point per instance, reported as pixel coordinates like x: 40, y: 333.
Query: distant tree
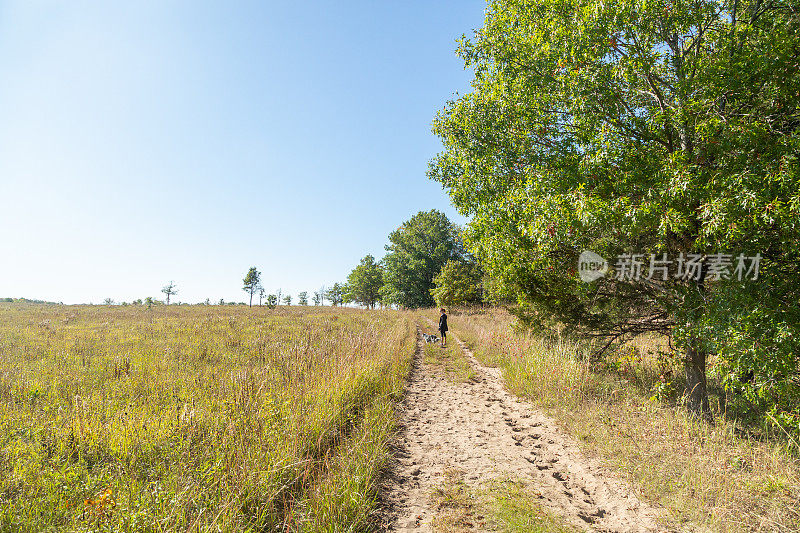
x: 336, y: 294
x: 169, y: 290
x: 365, y: 282
x: 208, y: 301
x: 287, y: 299
x: 416, y: 253
x: 278, y: 296
x: 458, y: 283
x: 302, y: 298
x: 108, y: 301
x: 272, y: 301
x: 138, y: 301
x: 221, y: 301
x: 318, y: 295
x: 149, y: 302
x: 252, y: 283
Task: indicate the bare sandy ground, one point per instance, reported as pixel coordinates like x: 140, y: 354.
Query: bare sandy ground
x: 481, y: 430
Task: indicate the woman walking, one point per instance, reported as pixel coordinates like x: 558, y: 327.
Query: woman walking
x: 443, y: 327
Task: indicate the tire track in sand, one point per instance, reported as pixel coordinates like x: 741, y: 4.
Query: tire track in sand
x: 478, y: 428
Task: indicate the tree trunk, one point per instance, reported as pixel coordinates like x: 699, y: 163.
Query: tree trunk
x: 696, y: 381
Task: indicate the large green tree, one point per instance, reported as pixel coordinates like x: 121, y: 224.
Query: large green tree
x: 365, y: 282
x: 415, y: 254
x: 640, y: 127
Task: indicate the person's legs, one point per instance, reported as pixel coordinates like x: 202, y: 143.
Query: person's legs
x: 444, y: 338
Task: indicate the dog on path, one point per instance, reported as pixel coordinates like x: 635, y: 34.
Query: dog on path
x: 430, y: 338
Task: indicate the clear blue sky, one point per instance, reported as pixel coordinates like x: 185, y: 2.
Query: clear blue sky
x: 148, y: 141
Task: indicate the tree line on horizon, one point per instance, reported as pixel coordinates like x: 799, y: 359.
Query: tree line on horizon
x: 426, y: 264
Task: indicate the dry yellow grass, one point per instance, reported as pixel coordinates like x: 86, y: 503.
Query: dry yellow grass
x: 705, y: 475
x: 195, y: 418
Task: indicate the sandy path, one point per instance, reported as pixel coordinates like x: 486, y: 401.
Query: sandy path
x: 483, y: 431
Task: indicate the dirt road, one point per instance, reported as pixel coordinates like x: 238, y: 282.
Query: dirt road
x: 485, y: 433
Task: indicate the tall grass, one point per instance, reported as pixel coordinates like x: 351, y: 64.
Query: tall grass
x: 705, y: 475
x: 195, y: 418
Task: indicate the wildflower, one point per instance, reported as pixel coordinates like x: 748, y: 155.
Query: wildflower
x: 101, y: 505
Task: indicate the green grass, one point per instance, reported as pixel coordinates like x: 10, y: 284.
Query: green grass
x: 515, y: 510
x: 195, y: 418
x: 502, y: 505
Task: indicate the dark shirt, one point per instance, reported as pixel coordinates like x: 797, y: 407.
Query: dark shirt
x: 443, y: 323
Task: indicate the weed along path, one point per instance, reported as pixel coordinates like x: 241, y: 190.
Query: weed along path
x: 472, y: 434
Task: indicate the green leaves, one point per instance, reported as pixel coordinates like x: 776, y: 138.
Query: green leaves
x: 365, y: 282
x: 252, y: 283
x: 644, y: 126
x: 458, y: 283
x: 416, y: 253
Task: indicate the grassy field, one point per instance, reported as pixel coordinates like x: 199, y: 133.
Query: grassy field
x: 195, y: 418
x: 706, y: 476
x: 235, y: 419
